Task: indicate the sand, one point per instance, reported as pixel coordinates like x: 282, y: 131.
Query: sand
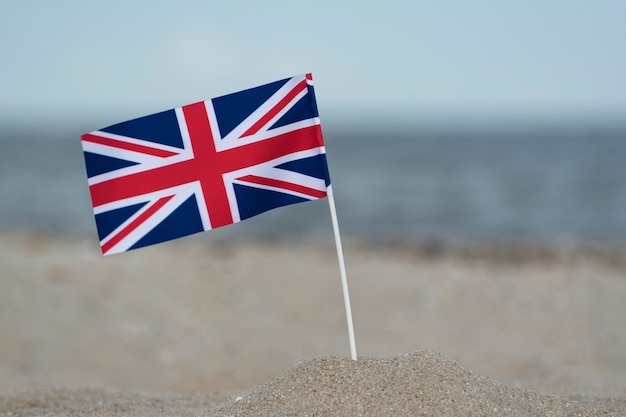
x: 217, y: 328
x: 423, y: 383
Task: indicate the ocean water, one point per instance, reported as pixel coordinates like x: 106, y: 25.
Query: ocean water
x: 549, y: 182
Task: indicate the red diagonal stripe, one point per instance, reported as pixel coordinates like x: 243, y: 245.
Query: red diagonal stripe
x: 271, y: 182
x: 127, y: 146
x: 135, y: 224
x: 276, y: 109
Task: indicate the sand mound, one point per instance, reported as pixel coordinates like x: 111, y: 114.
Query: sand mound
x: 416, y: 384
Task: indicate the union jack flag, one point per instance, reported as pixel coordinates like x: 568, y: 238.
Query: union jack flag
x: 206, y: 165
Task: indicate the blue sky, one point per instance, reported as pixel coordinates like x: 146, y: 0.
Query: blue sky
x: 122, y: 59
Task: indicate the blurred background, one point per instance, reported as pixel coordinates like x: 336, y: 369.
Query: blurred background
x: 450, y: 120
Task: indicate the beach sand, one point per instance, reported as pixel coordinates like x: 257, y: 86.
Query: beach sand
x: 211, y: 327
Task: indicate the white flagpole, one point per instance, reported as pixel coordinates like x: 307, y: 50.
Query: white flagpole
x: 344, y: 279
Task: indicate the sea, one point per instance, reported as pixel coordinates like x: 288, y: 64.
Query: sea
x: 544, y: 182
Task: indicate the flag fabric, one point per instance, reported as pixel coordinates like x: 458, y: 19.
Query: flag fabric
x: 206, y: 165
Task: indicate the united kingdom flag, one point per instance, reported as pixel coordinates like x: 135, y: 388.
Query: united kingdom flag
x: 206, y: 165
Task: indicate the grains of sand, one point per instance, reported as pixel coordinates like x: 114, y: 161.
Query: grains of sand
x: 415, y: 384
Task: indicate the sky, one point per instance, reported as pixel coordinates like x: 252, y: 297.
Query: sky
x: 114, y: 60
